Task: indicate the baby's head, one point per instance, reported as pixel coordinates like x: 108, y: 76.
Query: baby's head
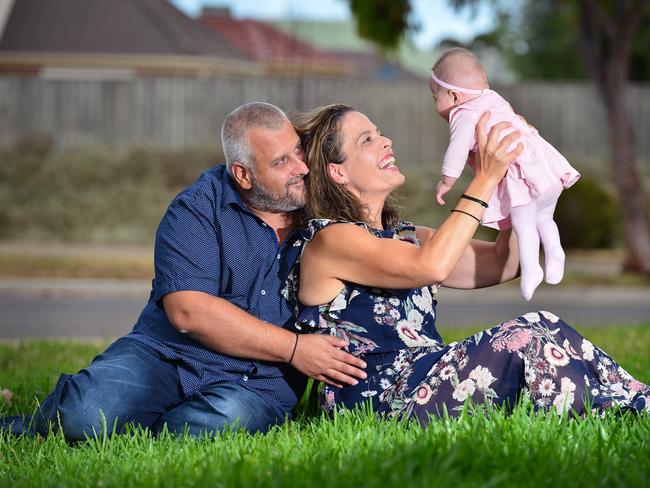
x: 461, y: 68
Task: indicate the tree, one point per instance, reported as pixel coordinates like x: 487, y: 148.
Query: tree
x: 607, y: 41
x: 537, y: 40
x: 382, y: 21
x: 607, y: 33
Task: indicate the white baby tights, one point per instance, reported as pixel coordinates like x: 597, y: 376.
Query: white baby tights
x: 534, y: 222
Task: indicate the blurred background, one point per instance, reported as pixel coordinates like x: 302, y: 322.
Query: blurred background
x: 108, y: 108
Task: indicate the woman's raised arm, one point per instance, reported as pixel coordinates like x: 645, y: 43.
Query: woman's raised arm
x: 344, y: 252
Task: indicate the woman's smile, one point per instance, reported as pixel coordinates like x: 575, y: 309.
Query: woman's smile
x: 388, y: 163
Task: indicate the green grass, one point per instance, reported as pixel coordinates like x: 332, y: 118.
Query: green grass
x: 352, y: 449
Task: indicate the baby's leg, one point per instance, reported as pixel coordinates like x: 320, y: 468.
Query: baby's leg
x: 523, y: 222
x: 548, y: 233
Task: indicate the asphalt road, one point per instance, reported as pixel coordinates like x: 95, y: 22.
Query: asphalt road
x: 100, y: 309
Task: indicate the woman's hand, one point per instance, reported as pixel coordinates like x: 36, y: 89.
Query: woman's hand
x: 493, y: 157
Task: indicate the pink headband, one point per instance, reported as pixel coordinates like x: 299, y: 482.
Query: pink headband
x: 469, y: 91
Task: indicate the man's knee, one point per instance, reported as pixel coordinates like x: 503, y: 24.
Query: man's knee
x: 124, y: 384
x: 74, y: 410
x: 223, y: 407
x: 80, y: 424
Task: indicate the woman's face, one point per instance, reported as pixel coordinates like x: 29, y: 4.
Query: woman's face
x: 369, y: 168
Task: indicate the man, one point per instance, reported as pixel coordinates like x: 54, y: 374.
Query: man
x: 209, y: 350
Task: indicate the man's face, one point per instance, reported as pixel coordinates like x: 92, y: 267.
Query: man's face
x: 279, y: 170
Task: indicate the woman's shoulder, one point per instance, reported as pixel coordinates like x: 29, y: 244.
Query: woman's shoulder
x: 402, y: 230
x: 314, y: 226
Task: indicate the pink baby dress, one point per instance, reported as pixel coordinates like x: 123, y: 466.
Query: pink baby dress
x: 538, y: 168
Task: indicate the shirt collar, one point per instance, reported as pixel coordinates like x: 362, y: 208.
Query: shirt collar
x: 231, y: 195
x: 231, y: 192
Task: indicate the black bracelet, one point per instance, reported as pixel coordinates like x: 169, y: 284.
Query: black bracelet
x: 474, y: 199
x: 467, y: 213
x: 295, y: 345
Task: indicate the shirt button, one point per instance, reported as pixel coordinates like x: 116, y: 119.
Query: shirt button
x: 263, y: 292
x: 245, y: 378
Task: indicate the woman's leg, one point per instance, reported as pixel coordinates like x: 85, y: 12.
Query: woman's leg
x: 550, y: 236
x: 536, y: 355
x: 565, y: 371
x: 524, y: 219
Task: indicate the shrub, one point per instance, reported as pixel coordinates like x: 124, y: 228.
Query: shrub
x: 91, y: 194
x: 588, y: 216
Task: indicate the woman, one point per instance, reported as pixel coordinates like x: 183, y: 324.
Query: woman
x: 367, y: 277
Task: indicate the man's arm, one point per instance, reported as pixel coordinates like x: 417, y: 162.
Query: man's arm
x: 187, y: 263
x: 225, y: 328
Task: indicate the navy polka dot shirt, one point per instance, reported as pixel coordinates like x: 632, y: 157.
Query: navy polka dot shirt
x: 209, y: 241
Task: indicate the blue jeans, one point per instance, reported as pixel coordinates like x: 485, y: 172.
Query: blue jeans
x: 131, y: 383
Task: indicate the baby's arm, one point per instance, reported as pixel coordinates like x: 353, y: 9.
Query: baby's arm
x: 443, y: 186
x: 462, y: 137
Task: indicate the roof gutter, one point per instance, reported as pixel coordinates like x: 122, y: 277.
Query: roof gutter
x: 198, y: 65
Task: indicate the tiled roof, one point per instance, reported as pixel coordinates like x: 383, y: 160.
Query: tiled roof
x: 263, y: 42
x: 109, y: 27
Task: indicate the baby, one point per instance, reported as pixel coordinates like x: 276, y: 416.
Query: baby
x: 525, y: 198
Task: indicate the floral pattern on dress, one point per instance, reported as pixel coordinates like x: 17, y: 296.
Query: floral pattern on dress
x: 532, y: 356
x: 412, y: 373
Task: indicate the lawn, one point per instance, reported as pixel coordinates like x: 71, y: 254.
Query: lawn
x: 352, y: 449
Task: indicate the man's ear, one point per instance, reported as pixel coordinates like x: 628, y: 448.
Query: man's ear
x: 242, y: 175
x: 337, y: 173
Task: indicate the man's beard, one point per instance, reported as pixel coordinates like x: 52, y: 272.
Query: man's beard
x: 262, y: 198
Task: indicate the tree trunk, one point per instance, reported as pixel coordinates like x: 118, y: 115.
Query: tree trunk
x: 607, y: 32
x: 626, y: 177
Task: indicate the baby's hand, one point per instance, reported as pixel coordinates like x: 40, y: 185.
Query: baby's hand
x: 441, y: 188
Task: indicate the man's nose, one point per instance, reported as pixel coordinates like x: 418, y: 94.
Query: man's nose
x: 299, y: 165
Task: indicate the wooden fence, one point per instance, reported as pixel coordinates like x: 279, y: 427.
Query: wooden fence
x: 176, y: 112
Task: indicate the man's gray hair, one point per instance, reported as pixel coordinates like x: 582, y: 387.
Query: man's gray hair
x: 234, y: 131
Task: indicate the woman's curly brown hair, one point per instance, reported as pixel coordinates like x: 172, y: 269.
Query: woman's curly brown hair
x: 320, y: 134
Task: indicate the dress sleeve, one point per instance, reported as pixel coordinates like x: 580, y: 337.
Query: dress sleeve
x: 187, y: 250
x: 462, y: 138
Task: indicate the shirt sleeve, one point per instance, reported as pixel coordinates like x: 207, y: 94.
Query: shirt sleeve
x: 187, y: 249
x: 462, y: 137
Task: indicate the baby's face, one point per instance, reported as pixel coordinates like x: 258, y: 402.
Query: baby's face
x: 443, y: 99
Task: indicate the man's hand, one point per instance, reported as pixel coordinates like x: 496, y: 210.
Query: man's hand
x: 321, y: 357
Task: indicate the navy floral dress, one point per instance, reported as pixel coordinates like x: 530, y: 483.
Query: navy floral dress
x: 413, y: 373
